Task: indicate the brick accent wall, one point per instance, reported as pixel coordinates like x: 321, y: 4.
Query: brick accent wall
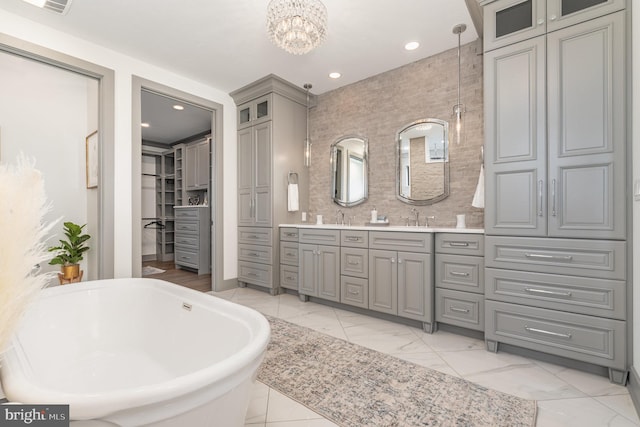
x: 377, y: 108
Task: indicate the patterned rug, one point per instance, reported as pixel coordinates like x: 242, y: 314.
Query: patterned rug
x: 148, y: 270
x: 354, y: 386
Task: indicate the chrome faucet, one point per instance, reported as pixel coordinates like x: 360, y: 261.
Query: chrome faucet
x: 426, y: 222
x: 340, y: 215
x: 416, y: 215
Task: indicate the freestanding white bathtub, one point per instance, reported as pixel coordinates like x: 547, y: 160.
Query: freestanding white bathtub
x: 137, y: 352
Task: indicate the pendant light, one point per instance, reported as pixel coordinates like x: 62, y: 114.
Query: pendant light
x: 458, y: 109
x: 307, y: 141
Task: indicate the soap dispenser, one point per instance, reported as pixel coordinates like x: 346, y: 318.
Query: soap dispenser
x: 374, y: 215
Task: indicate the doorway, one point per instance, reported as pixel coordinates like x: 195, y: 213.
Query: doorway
x: 177, y: 141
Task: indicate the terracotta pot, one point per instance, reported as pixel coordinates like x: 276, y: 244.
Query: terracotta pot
x: 71, y: 271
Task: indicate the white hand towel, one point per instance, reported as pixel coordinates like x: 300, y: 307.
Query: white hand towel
x: 293, y: 198
x: 478, y: 197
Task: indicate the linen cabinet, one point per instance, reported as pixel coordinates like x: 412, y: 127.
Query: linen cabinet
x: 555, y: 148
x: 271, y: 121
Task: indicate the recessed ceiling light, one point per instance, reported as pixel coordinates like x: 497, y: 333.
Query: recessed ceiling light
x: 144, y: 125
x: 335, y: 75
x: 178, y: 107
x: 412, y: 45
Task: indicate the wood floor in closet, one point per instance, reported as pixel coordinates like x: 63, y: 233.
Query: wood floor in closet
x: 185, y: 278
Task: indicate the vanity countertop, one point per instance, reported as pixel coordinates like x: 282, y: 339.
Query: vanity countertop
x: 413, y: 229
x: 191, y: 206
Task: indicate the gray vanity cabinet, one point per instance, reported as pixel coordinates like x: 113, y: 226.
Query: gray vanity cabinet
x: 271, y: 116
x: 400, y: 281
x: 196, y: 167
x: 319, y: 271
x: 581, y: 194
x: 459, y: 280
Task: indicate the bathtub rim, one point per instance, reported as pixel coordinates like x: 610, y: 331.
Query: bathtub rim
x: 20, y: 385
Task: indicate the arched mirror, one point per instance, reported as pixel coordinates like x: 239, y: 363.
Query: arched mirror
x: 422, y: 164
x: 349, y: 170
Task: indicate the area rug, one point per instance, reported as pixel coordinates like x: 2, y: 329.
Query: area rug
x: 354, y: 386
x: 148, y: 270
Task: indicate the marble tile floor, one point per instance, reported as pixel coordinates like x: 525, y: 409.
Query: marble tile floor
x: 566, y: 397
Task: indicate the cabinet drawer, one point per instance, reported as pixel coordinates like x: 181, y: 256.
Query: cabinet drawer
x: 587, y: 338
x: 186, y: 257
x: 289, y: 253
x: 187, y: 227
x: 460, y: 244
x: 289, y: 234
x: 257, y: 274
x: 354, y: 291
x: 464, y: 273
x: 354, y: 238
x: 187, y: 213
x: 597, y: 297
x: 401, y: 241
x: 289, y: 276
x: 255, y: 235
x: 460, y: 308
x: 354, y: 262
x: 591, y: 258
x: 255, y: 253
x: 187, y: 240
x: 319, y: 237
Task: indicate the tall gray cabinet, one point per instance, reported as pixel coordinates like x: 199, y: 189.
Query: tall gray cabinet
x: 555, y: 148
x: 271, y: 123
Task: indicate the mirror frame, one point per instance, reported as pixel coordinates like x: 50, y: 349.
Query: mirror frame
x: 445, y: 194
x: 365, y: 157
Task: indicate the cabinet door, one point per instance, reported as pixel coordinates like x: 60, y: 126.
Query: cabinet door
x: 511, y: 21
x: 586, y: 78
x: 563, y: 13
x: 191, y: 158
x: 329, y: 272
x: 307, y: 272
x: 202, y: 164
x: 383, y: 281
x: 262, y: 174
x: 415, y: 286
x: 515, y: 131
x: 245, y: 177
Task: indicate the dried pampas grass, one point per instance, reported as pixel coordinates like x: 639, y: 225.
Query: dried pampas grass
x: 22, y: 241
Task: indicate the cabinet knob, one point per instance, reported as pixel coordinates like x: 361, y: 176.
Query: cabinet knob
x: 553, y: 17
x: 540, y: 21
x: 393, y: 260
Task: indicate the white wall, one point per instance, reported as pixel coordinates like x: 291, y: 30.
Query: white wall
x: 124, y: 68
x: 635, y: 144
x: 45, y: 114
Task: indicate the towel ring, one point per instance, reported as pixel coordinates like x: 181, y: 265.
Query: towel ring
x: 292, y: 178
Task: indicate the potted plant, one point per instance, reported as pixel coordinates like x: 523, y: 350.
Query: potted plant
x: 70, y: 251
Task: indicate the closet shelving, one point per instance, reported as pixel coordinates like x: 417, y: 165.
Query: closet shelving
x: 165, y: 197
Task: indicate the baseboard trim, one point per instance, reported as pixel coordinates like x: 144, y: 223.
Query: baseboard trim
x: 634, y: 388
x: 227, y: 284
x: 149, y: 257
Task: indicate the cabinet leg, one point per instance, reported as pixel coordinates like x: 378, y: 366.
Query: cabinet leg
x: 303, y: 298
x: 242, y: 285
x: 429, y: 327
x: 274, y: 291
x: 492, y: 346
x: 618, y: 377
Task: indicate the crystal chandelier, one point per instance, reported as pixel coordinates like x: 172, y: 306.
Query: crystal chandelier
x: 297, y: 26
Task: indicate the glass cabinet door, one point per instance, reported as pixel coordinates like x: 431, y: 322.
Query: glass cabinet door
x: 510, y: 21
x: 562, y: 13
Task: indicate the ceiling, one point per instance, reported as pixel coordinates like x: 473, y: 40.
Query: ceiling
x: 224, y: 44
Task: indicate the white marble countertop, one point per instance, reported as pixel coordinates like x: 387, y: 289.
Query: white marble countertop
x: 413, y: 229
